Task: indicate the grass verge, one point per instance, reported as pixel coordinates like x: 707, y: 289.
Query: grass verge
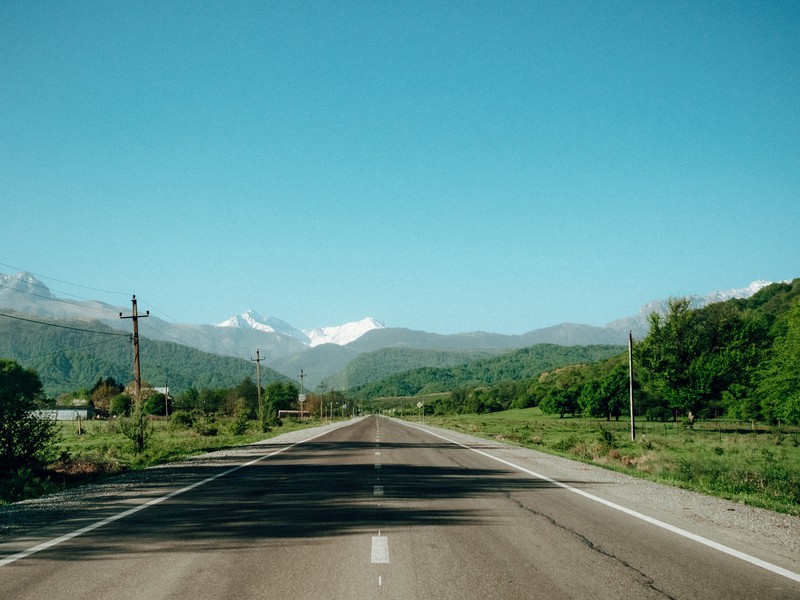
x: 96, y: 449
x: 759, y: 466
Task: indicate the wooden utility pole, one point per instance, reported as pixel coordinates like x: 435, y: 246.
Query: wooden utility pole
x: 630, y: 381
x: 302, y: 397
x: 322, y: 401
x: 137, y: 373
x: 258, y: 360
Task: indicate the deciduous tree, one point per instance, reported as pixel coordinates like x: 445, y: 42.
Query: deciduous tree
x: 26, y: 439
x: 691, y: 357
x: 780, y: 376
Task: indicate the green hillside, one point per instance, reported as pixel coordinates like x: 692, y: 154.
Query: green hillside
x: 73, y: 355
x: 737, y: 359
x: 380, y: 364
x: 514, y: 366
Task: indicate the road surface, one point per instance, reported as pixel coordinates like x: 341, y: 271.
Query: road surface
x: 375, y: 509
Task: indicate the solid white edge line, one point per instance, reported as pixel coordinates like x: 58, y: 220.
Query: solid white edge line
x: 78, y: 532
x: 682, y: 532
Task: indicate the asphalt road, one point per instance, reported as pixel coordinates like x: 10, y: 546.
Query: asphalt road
x: 375, y: 509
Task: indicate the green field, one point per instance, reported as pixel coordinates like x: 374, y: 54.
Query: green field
x: 753, y: 464
x: 100, y: 441
x: 91, y: 450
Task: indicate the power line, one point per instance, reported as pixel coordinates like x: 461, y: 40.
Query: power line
x: 189, y: 332
x: 105, y: 309
x: 85, y: 287
x: 49, y: 289
x: 51, y: 297
x: 82, y: 347
x: 65, y: 326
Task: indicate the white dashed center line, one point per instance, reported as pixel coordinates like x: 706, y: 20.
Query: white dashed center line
x: 380, y: 549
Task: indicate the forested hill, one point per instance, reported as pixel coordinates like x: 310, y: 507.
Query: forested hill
x: 380, y: 364
x: 73, y: 355
x: 514, y: 366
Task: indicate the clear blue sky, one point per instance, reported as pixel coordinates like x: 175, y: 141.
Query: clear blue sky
x: 445, y: 166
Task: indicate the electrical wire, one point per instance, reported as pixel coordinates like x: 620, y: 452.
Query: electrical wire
x: 85, y: 287
x: 189, y: 332
x: 111, y: 333
x: 51, y: 297
x: 55, y: 352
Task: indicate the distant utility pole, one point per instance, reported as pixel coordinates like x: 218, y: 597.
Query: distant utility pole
x: 137, y: 373
x: 302, y: 397
x: 258, y: 360
x: 630, y: 381
x: 321, y: 401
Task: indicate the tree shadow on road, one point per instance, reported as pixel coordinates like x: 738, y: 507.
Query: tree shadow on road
x: 318, y: 490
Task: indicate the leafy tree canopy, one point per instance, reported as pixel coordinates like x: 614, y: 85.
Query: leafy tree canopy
x: 25, y: 438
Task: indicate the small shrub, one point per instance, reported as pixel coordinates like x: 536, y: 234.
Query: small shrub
x: 182, y: 420
x: 206, y: 426
x: 606, y: 437
x: 566, y: 444
x: 137, y: 429
x: 240, y: 425
x: 686, y: 469
x: 23, y: 483
x: 270, y: 420
x: 583, y: 450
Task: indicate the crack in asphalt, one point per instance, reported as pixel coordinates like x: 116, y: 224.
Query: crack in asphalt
x: 648, y: 581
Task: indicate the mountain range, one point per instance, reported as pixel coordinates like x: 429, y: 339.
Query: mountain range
x: 324, y: 352
x: 341, y: 335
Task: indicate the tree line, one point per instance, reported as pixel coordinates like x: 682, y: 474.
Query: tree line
x: 739, y: 358
x: 68, y: 360
x: 28, y: 441
x: 483, y: 373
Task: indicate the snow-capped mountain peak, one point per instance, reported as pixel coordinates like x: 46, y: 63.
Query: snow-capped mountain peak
x: 250, y: 319
x: 24, y: 283
x: 639, y: 323
x: 337, y: 334
x: 342, y: 334
x: 744, y: 292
